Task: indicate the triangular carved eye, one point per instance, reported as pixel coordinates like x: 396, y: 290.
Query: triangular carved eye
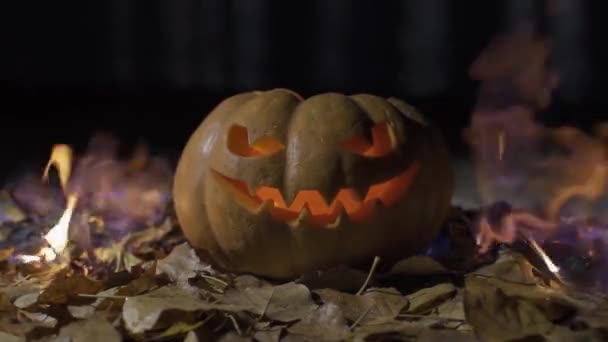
x: 381, y: 145
x: 238, y: 143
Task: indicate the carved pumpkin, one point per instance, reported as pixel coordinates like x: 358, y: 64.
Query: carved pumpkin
x: 275, y: 185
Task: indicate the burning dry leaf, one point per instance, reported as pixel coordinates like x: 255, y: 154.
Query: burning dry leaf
x: 94, y: 329
x: 507, y: 311
x: 510, y: 266
x: 141, y: 313
x: 325, y: 323
x: 375, y: 305
x: 429, y: 298
x: 284, y: 303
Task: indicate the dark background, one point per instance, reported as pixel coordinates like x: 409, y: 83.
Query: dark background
x: 152, y: 69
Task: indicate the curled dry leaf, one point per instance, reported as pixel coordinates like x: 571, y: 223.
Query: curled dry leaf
x: 182, y: 264
x: 325, y: 323
x: 510, y: 266
x: 94, y: 329
x: 376, y: 304
x: 509, y: 311
x: 429, y: 298
x: 284, y: 303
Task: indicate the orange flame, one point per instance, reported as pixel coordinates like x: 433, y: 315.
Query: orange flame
x: 61, y: 158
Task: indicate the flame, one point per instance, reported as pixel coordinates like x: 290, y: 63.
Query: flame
x: 61, y: 159
x: 548, y: 262
x: 58, y: 237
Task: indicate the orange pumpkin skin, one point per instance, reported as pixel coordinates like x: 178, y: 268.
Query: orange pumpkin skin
x: 243, y: 233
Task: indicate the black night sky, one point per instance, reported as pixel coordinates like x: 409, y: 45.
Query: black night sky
x: 152, y: 69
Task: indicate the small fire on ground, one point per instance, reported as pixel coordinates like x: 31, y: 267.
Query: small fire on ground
x: 98, y: 192
x: 540, y: 185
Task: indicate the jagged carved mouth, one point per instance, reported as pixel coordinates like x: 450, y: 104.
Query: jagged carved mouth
x: 309, y: 205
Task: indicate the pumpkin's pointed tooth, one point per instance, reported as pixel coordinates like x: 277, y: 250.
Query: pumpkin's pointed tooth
x: 302, y: 218
x: 339, y: 212
x: 342, y: 218
x: 264, y: 207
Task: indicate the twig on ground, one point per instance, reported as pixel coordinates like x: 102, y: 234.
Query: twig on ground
x: 372, y: 270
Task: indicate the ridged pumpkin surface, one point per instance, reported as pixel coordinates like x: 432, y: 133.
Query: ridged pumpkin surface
x: 276, y: 185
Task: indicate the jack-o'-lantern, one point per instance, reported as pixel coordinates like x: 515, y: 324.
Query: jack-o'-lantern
x: 276, y: 185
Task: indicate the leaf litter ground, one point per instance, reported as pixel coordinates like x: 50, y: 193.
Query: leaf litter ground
x: 152, y: 286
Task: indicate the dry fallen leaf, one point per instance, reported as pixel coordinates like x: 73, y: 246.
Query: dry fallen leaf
x: 141, y: 313
x: 283, y: 303
x: 94, y: 329
x: 182, y: 264
x: 63, y: 288
x: 375, y: 304
x: 4, y: 337
x: 326, y: 323
x: 270, y: 335
x: 429, y: 298
x: 507, y: 311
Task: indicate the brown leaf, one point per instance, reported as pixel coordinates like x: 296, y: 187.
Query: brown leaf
x: 326, y: 323
x: 141, y: 313
x: 4, y: 337
x: 284, y: 303
x: 375, y: 304
x: 497, y: 311
x: 94, y: 329
x: 64, y: 288
x: 270, y: 335
x: 182, y: 264
x: 429, y: 298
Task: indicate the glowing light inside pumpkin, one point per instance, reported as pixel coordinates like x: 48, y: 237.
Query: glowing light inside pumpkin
x: 238, y: 143
x: 311, y: 201
x: 381, y: 145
